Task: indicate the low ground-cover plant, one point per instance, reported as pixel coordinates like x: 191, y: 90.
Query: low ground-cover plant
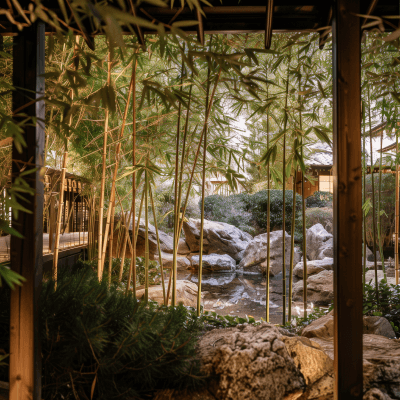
x: 99, y: 343
x: 249, y: 211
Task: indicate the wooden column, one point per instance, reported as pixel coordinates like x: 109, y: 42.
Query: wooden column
x: 347, y: 212
x: 27, y: 253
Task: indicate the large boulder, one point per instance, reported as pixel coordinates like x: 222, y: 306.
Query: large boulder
x: 319, y: 243
x: 256, y: 253
x: 186, y: 293
x: 214, y: 262
x: 370, y: 277
x: 313, y: 267
x: 219, y: 238
x: 249, y: 362
x: 319, y: 288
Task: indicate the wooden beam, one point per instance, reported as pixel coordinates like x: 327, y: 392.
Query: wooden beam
x: 27, y: 253
x: 268, y: 23
x: 347, y: 211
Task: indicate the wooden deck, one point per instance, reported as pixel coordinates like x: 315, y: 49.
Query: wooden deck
x: 67, y: 241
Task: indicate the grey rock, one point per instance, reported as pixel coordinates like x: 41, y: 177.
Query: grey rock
x: 378, y: 326
x: 250, y: 362
x: 370, y: 277
x: 319, y: 288
x: 255, y: 254
x: 186, y: 293
x: 319, y: 243
x: 214, y: 262
x: 182, y: 262
x: 313, y: 267
x: 183, y: 248
x: 219, y: 238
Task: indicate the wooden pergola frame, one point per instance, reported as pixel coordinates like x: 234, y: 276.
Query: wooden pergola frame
x: 229, y: 17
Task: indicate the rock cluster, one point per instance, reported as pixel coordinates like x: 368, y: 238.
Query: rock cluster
x: 219, y: 238
x: 261, y: 362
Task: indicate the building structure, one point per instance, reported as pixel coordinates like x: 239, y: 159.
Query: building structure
x: 341, y: 17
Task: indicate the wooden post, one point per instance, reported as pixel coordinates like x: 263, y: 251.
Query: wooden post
x: 347, y: 211
x: 27, y: 253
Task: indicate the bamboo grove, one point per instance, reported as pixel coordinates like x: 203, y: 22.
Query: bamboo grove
x: 132, y: 118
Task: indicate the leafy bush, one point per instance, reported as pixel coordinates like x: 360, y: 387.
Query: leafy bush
x: 323, y: 216
x: 388, y: 206
x: 96, y: 338
x: 154, y: 270
x: 257, y: 204
x: 249, y: 212
x: 319, y: 199
x: 229, y: 209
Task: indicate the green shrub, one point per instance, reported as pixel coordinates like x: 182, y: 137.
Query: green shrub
x: 95, y: 337
x: 229, y: 209
x: 257, y: 204
x: 319, y: 216
x: 249, y: 212
x: 319, y: 199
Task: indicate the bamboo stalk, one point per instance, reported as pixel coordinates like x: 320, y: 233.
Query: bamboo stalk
x: 284, y: 203
x: 292, y: 246
x: 379, y: 210
x: 112, y: 195
x: 176, y: 204
x: 198, y: 150
x: 364, y: 199
x: 146, y: 235
x: 132, y: 267
x: 134, y: 242
x: 203, y: 192
x: 158, y: 245
x: 396, y: 235
x: 373, y: 197
x: 303, y: 200
x: 61, y: 199
x: 103, y: 179
x: 110, y: 261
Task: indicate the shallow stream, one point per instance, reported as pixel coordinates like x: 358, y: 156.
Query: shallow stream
x: 235, y: 293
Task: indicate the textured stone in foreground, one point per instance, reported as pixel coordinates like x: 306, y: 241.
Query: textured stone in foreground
x: 214, y: 262
x: 250, y: 363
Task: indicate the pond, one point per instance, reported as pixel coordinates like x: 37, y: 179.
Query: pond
x: 240, y: 294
